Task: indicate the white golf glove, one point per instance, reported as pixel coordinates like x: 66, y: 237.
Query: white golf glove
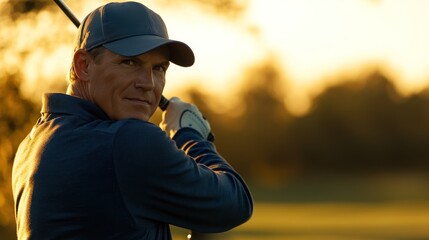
x: 180, y: 115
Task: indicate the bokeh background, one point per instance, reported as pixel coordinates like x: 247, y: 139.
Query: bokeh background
x: 322, y: 105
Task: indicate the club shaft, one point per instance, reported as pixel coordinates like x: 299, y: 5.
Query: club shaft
x: 68, y: 12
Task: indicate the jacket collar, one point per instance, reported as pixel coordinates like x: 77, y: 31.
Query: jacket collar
x: 66, y: 104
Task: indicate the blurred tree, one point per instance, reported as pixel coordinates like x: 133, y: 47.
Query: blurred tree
x: 265, y: 121
x: 413, y: 130
x: 361, y: 126
x: 16, y: 8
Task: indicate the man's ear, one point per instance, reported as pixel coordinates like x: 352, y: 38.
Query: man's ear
x: 81, y: 60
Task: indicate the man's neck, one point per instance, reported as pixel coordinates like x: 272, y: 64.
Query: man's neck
x: 79, y: 90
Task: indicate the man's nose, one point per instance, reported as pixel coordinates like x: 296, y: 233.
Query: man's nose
x: 144, y: 80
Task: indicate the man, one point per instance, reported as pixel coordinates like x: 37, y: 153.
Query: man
x: 93, y: 167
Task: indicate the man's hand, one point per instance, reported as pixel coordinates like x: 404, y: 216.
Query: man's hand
x: 180, y: 115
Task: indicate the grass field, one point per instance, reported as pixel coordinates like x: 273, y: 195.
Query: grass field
x: 375, y: 207
x: 332, y: 221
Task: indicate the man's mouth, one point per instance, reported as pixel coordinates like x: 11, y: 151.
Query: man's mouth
x: 139, y: 101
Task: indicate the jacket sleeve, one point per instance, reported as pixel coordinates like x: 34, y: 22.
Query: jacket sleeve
x: 183, y: 182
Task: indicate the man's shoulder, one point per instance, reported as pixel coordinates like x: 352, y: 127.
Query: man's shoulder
x: 134, y: 125
x: 137, y: 129
x: 139, y: 137
x: 121, y: 125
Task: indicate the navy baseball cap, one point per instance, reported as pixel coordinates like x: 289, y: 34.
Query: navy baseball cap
x: 130, y: 29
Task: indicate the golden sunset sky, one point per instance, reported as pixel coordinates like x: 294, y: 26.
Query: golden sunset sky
x: 312, y: 40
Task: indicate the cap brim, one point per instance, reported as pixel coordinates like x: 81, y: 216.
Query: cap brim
x: 180, y: 53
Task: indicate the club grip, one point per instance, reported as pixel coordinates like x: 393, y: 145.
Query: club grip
x: 163, y: 104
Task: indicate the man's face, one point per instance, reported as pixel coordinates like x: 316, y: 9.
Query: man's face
x: 128, y: 87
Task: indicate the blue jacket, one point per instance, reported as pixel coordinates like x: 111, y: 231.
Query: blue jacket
x: 80, y: 175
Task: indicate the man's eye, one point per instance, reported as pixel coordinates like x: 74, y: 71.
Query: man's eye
x: 129, y: 62
x: 160, y: 68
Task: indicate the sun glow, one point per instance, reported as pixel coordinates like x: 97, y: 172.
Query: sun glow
x: 312, y: 39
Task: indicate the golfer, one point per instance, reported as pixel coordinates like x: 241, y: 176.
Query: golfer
x: 93, y: 167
